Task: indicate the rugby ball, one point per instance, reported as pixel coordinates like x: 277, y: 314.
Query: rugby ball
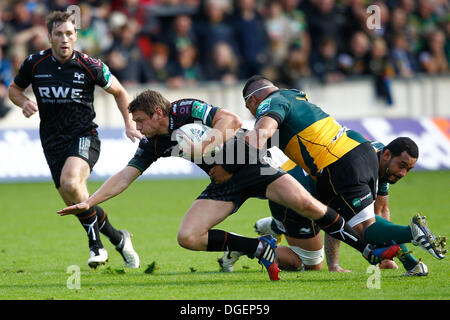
x: 191, y: 132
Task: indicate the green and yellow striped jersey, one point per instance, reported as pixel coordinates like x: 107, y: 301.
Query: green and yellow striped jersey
x: 307, y: 135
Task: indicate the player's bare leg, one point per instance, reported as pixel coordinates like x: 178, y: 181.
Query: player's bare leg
x: 291, y: 194
x: 332, y: 254
x: 74, y: 175
x: 199, y: 219
x: 73, y: 190
x: 301, y: 253
x: 196, y: 233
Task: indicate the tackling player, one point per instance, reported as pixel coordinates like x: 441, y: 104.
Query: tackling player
x: 342, y: 161
x: 63, y: 82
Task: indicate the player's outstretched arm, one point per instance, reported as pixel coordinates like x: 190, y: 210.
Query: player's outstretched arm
x: 332, y: 254
x: 382, y: 207
x: 264, y: 129
x: 111, y: 188
x: 17, y: 96
x: 122, y: 100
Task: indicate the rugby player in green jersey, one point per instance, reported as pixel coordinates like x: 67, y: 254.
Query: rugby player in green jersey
x: 305, y: 251
x: 342, y: 161
x: 395, y: 162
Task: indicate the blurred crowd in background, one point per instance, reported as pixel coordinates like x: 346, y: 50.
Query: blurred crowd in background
x: 183, y: 42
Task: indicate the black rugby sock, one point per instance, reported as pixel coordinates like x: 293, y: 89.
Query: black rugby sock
x: 219, y: 240
x: 333, y: 224
x: 89, y: 221
x: 105, y: 227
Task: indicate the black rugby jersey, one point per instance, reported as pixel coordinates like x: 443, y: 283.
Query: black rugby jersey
x: 183, y: 111
x: 64, y: 94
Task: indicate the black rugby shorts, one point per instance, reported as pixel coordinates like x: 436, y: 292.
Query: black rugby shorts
x: 86, y: 148
x: 248, y: 182
x: 294, y: 224
x: 349, y: 184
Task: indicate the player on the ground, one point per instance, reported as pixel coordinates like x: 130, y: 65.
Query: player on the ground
x: 63, y: 82
x: 157, y: 119
x: 396, y: 160
x: 344, y: 163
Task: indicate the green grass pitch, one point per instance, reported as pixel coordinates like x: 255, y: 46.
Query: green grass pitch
x: 37, y: 247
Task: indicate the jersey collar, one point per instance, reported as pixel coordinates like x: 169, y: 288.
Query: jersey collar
x: 56, y: 61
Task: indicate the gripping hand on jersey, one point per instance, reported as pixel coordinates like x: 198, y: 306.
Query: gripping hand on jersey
x: 219, y: 175
x: 190, y: 150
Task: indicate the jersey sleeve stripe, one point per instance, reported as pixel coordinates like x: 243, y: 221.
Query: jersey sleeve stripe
x: 109, y: 83
x: 275, y: 116
x: 205, y: 116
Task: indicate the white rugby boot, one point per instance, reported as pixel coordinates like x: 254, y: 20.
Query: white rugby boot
x: 228, y: 260
x: 97, y: 256
x: 424, y: 238
x: 420, y: 270
x: 264, y: 226
x: 125, y: 248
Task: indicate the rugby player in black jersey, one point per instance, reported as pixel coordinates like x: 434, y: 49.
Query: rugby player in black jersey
x: 157, y: 119
x: 63, y: 82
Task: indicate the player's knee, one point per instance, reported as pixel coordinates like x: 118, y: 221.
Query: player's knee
x: 287, y: 259
x: 187, y: 239
x: 315, y: 267
x: 312, y: 260
x: 69, y: 186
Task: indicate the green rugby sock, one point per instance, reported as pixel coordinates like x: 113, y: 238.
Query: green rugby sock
x: 406, y: 258
x: 386, y: 233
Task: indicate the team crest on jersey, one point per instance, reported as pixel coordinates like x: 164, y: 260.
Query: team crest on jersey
x: 78, y: 77
x: 198, y: 110
x: 263, y: 107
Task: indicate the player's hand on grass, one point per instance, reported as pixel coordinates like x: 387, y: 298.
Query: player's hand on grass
x: 388, y: 264
x: 219, y: 175
x: 75, y: 209
x: 29, y: 108
x: 337, y: 268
